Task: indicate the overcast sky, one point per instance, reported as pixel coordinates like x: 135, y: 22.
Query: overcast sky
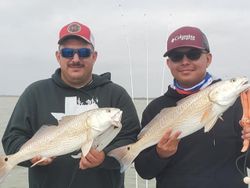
x: 129, y: 35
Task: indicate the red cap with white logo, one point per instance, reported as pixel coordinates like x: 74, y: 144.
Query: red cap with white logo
x: 76, y: 29
x: 187, y: 37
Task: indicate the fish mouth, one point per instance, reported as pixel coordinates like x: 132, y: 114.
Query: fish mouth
x: 245, y: 82
x: 245, y: 85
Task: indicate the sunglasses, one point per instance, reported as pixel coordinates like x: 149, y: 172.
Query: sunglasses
x: 81, y: 52
x: 193, y: 54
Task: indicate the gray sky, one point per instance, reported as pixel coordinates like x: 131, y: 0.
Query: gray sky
x: 129, y: 35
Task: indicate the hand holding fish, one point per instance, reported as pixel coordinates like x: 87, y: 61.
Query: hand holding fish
x: 245, y: 123
x: 168, y: 144
x: 245, y: 120
x: 246, y: 133
x: 92, y: 159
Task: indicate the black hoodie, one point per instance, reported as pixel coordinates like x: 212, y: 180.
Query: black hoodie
x: 202, y: 160
x: 34, y: 109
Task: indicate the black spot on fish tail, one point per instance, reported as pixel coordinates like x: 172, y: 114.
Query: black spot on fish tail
x: 6, y: 159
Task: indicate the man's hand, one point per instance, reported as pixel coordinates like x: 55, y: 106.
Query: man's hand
x: 42, y: 163
x: 168, y: 144
x: 92, y: 159
x: 246, y: 132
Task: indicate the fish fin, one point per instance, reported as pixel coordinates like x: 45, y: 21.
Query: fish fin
x: 41, y: 160
x: 44, y: 130
x: 166, y: 110
x: 66, y: 119
x: 5, y: 167
x: 209, y: 124
x: 58, y: 116
x: 86, y: 147
x: 206, y: 119
x: 101, y: 141
x: 206, y: 114
x: 221, y: 118
x: 124, y: 155
x: 77, y: 156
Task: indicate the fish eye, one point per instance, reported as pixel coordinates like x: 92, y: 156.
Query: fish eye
x: 233, y: 80
x: 108, y: 110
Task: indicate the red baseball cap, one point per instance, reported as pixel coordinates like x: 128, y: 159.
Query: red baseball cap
x: 76, y: 29
x: 187, y: 37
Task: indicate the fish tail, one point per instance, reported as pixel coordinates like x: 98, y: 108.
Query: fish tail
x: 125, y: 155
x: 5, y: 167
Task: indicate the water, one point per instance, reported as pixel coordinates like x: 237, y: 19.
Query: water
x: 18, y: 176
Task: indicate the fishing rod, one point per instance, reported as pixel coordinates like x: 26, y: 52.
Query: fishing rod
x: 125, y: 33
x: 164, y: 64
x: 131, y: 68
x: 147, y: 68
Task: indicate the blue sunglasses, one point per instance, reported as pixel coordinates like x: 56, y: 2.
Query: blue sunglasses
x: 81, y: 52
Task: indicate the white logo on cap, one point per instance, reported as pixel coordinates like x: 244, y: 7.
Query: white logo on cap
x: 183, y: 37
x: 74, y: 28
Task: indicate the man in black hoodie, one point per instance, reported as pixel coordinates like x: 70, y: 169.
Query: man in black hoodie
x: 200, y: 160
x: 72, y: 89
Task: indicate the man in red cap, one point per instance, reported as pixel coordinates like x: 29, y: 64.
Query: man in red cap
x: 198, y: 160
x: 72, y: 89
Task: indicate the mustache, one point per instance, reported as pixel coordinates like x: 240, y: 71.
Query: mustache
x: 75, y: 64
